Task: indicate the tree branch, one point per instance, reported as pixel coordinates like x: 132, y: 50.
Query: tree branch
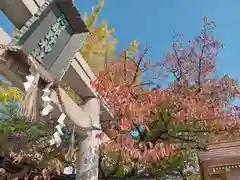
x: 138, y: 66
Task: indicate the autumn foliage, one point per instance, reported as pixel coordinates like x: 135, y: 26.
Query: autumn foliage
x: 169, y: 118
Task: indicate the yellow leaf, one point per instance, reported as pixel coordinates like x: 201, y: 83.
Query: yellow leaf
x: 133, y: 48
x: 15, y: 31
x: 111, y: 31
x: 99, y: 45
x: 91, y: 21
x: 85, y: 17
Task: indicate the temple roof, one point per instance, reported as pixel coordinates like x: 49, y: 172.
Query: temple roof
x: 222, y: 149
x: 220, y: 157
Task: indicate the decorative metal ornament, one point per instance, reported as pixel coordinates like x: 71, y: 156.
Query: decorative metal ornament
x: 45, y: 45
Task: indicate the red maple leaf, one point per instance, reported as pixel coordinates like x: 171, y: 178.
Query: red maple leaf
x: 124, y: 124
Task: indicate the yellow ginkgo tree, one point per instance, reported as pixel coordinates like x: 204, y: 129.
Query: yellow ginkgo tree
x: 100, y: 45
x: 8, y: 93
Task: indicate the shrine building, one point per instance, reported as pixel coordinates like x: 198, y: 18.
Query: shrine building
x: 221, y: 161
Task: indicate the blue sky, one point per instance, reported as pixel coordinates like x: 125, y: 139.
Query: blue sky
x: 152, y: 22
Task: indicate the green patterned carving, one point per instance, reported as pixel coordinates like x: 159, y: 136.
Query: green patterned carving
x: 45, y: 45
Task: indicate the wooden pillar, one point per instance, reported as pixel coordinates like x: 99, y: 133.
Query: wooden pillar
x: 88, y: 156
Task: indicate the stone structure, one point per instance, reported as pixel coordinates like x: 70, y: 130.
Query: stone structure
x: 20, y: 11
x: 52, y: 34
x: 221, y: 161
